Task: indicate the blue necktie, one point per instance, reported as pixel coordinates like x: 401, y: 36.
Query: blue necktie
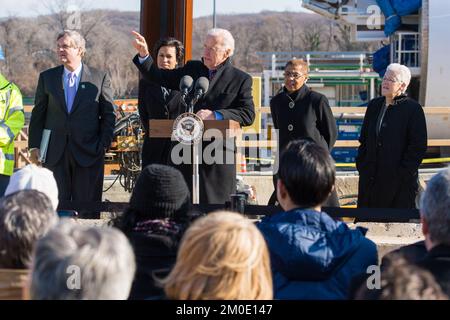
x: 71, y: 90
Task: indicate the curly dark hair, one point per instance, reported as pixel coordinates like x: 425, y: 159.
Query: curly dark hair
x: 170, y: 42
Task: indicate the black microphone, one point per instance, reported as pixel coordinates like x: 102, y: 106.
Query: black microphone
x: 186, y: 86
x: 201, y: 87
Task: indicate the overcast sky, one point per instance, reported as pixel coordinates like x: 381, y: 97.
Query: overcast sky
x: 201, y: 7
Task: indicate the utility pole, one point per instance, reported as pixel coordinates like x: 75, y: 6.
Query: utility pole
x: 214, y: 13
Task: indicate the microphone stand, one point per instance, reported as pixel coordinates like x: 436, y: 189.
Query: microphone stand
x: 196, y: 160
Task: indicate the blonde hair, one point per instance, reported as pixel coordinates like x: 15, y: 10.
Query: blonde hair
x: 223, y: 256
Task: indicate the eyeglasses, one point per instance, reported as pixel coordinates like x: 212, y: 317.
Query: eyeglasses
x: 65, y: 47
x: 392, y: 80
x: 294, y: 75
x: 213, y: 49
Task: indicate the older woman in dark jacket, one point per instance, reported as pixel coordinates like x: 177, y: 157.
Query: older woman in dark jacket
x: 158, y: 102
x: 154, y: 223
x: 393, y: 143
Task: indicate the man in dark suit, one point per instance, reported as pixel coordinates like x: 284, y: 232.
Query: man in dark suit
x: 75, y: 102
x: 229, y: 98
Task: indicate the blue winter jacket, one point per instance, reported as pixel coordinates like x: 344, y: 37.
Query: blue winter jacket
x: 314, y: 256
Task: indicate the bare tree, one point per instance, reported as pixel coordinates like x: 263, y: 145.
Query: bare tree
x: 312, y: 37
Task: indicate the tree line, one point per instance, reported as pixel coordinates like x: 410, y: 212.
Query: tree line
x: 29, y: 43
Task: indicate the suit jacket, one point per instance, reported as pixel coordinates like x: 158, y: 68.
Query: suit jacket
x: 88, y: 130
x: 152, y: 105
x: 230, y: 94
x: 388, y: 163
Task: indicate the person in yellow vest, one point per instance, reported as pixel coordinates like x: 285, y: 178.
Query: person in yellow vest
x: 12, y: 120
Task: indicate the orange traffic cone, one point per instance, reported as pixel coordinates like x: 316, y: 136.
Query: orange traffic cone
x: 243, y: 164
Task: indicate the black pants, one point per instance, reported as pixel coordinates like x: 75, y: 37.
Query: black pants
x: 4, y: 181
x: 332, y: 201
x: 76, y: 183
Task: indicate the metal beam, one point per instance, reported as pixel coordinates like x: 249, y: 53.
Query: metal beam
x: 167, y: 18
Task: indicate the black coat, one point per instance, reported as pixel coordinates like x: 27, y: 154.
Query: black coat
x: 437, y: 261
x: 388, y: 164
x: 88, y: 130
x: 310, y: 117
x: 155, y: 257
x: 153, y: 105
x: 230, y: 94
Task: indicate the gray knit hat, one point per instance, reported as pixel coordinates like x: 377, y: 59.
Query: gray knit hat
x: 160, y: 192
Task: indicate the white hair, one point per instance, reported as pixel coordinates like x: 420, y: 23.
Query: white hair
x: 226, y: 36
x: 435, y: 207
x: 76, y: 262
x: 402, y: 73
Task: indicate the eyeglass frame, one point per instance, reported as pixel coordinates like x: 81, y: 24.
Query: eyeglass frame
x: 66, y: 47
x: 295, y: 76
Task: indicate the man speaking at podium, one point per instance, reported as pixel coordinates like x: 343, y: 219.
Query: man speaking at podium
x: 229, y: 98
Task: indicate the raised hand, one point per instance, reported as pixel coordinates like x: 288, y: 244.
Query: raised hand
x: 140, y: 44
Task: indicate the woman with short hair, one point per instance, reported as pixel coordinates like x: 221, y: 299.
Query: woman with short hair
x: 393, y: 144
x: 300, y: 113
x: 157, y: 102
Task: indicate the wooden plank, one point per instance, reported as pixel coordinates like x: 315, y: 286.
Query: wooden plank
x: 21, y: 144
x: 362, y: 110
x: 339, y: 143
x: 346, y: 143
x: 258, y: 144
x: 439, y: 142
x: 163, y: 128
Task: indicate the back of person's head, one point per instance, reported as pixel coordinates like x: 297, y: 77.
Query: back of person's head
x: 307, y: 171
x: 76, y: 262
x: 223, y: 256
x: 401, y: 280
x: 435, y: 207
x: 25, y: 217
x: 160, y: 193
x: 33, y: 177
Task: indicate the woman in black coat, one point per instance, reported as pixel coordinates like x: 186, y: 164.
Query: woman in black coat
x: 300, y: 113
x: 157, y: 102
x: 393, y: 144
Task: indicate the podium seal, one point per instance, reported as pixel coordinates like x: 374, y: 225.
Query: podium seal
x: 188, y: 129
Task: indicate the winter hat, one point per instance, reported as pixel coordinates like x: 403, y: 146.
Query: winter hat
x: 33, y: 177
x: 160, y: 191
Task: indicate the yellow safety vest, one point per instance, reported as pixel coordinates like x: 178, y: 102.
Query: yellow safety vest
x: 12, y: 120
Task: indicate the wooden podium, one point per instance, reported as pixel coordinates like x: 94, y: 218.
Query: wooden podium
x: 227, y: 128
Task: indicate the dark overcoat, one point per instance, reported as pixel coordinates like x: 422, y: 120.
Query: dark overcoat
x: 230, y: 94
x: 388, y: 163
x: 304, y: 114
x: 154, y: 105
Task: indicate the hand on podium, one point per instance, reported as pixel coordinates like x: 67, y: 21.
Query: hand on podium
x: 206, y: 114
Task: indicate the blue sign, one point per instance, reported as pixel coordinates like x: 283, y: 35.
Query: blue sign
x: 2, y: 55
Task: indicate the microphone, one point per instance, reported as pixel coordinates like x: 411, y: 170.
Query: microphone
x: 201, y: 87
x: 186, y: 86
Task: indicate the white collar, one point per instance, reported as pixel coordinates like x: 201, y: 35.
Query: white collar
x: 77, y: 71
